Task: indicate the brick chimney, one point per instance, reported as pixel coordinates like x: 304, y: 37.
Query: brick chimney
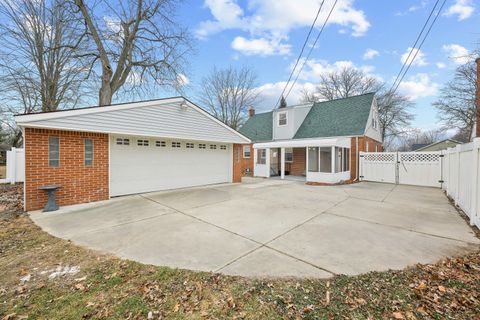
x: 477, y: 98
x: 251, y: 112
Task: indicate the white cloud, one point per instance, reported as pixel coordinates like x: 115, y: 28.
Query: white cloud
x: 370, y: 54
x: 313, y: 69
x: 420, y: 59
x: 441, y: 65
x: 419, y: 86
x: 463, y: 8
x: 456, y: 53
x: 269, y: 93
x: 274, y: 19
x: 182, y: 80
x: 260, y: 46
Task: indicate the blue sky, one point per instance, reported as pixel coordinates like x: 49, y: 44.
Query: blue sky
x: 371, y: 35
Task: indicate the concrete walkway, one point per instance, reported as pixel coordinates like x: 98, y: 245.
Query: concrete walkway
x: 272, y: 228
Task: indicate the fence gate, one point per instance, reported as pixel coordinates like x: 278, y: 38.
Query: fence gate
x: 413, y: 168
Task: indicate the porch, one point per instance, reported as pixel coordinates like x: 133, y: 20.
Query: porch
x: 319, y: 160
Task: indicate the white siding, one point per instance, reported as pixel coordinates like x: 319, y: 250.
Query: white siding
x: 370, y: 131
x: 167, y: 120
x: 137, y: 169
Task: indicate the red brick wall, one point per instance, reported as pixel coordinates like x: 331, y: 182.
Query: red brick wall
x: 237, y: 162
x: 80, y: 183
x: 362, y: 146
x: 247, y: 163
x: 297, y: 167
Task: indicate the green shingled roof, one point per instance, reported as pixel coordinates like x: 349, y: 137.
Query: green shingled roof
x: 259, y: 127
x: 341, y: 117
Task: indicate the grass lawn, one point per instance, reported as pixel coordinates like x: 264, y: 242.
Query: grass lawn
x: 65, y: 281
x: 3, y: 171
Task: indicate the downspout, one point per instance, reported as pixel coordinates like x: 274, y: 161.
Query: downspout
x: 357, y: 163
x: 24, y: 171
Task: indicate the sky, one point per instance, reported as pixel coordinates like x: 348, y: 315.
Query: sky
x: 267, y: 35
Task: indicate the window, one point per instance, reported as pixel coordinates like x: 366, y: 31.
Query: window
x: 313, y: 159
x: 202, y: 146
x: 190, y: 145
x: 374, y: 120
x: 213, y: 146
x: 289, y: 155
x: 261, y: 156
x: 142, y: 143
x: 282, y: 118
x: 246, y: 152
x: 123, y: 141
x: 326, y: 159
x: 53, y: 151
x: 160, y: 143
x: 342, y: 159
x: 88, y: 151
x: 176, y: 145
x: 223, y: 147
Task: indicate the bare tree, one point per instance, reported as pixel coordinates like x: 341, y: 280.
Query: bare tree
x: 407, y: 141
x: 456, y: 104
x: 228, y: 93
x: 136, y: 42
x: 38, y: 63
x: 393, y: 107
x: 342, y: 83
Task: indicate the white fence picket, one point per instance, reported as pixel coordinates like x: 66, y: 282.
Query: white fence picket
x: 15, y: 166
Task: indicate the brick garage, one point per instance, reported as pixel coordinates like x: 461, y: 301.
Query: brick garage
x: 79, y: 183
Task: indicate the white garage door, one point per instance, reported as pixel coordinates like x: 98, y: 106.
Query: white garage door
x: 142, y: 165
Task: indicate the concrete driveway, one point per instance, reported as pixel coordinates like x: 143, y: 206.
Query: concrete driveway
x: 272, y: 228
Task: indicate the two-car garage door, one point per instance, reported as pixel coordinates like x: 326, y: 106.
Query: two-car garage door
x: 146, y: 164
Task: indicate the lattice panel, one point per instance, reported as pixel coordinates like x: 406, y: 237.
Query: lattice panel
x: 420, y: 157
x: 379, y: 157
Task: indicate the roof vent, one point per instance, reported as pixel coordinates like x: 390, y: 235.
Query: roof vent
x: 183, y: 106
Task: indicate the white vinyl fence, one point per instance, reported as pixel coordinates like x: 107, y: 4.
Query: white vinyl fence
x: 15, y: 166
x: 461, y: 170
x: 413, y: 168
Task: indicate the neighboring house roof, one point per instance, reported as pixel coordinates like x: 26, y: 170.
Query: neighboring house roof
x: 258, y: 127
x: 340, y: 117
x: 440, y: 145
x: 5, y: 147
x: 175, y: 118
x: 417, y: 146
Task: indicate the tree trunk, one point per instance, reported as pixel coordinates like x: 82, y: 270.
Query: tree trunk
x: 105, y: 93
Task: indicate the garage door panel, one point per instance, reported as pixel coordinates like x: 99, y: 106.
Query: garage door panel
x: 137, y: 169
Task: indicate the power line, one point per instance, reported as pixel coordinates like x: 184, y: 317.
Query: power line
x: 397, y: 84
x: 311, y: 49
x: 301, y: 52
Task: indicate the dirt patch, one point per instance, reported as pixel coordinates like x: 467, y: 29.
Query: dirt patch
x: 3, y: 171
x: 44, y: 277
x: 11, y: 200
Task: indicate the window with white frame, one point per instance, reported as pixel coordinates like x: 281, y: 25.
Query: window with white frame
x: 326, y: 159
x: 374, y: 120
x: 289, y: 155
x: 261, y: 156
x: 53, y: 152
x: 213, y: 146
x: 223, y: 147
x: 88, y: 151
x: 342, y: 159
x: 123, y: 141
x: 160, y: 143
x: 190, y: 145
x: 246, y: 152
x: 202, y: 146
x: 313, y: 159
x: 282, y: 118
x: 176, y: 144
x: 143, y: 143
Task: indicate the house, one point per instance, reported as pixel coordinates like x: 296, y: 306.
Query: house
x: 317, y: 142
x: 436, y: 146
x: 101, y: 152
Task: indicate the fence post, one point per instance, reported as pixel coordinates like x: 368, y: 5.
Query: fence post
x: 474, y: 190
x: 12, y: 165
x: 457, y: 187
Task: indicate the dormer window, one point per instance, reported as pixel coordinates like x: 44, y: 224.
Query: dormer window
x: 374, y: 121
x: 282, y: 118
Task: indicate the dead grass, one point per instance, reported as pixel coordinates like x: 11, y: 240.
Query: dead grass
x: 111, y: 288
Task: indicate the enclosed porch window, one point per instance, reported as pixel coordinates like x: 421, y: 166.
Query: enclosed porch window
x: 342, y: 159
x: 261, y: 156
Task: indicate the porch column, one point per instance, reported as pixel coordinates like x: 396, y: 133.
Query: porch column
x: 333, y: 159
x: 306, y: 163
x: 282, y: 163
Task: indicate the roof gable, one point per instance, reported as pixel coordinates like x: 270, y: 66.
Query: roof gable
x: 167, y: 118
x: 258, y: 127
x: 340, y: 117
